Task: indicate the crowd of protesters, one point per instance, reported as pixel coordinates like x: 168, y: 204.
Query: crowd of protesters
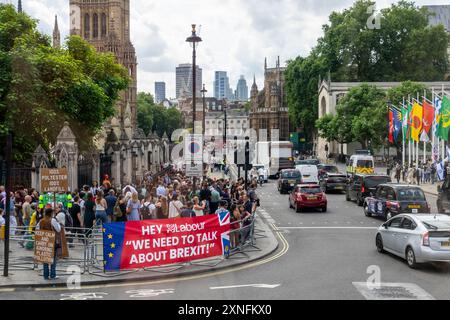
x: 424, y: 173
x: 167, y: 196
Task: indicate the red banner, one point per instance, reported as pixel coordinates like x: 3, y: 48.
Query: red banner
x: 143, y: 244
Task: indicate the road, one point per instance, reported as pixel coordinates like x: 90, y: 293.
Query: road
x: 321, y: 256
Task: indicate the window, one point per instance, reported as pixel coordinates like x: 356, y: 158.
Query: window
x: 382, y: 193
x: 95, y: 26
x: 103, y: 25
x: 408, y: 224
x: 87, y: 26
x: 396, y: 223
x: 390, y: 194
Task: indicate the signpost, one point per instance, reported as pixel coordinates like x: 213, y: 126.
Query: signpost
x: 44, y: 251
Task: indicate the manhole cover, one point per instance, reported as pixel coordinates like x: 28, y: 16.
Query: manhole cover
x: 392, y: 291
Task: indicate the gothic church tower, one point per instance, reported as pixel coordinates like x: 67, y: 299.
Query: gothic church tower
x: 106, y: 25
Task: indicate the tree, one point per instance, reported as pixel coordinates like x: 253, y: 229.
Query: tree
x: 404, y: 48
x: 41, y: 87
x: 152, y: 117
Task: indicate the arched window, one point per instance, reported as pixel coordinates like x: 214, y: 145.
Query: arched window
x: 103, y: 25
x: 87, y: 26
x: 95, y: 26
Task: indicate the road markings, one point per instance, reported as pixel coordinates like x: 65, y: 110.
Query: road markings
x: 392, y: 291
x: 283, y: 251
x: 334, y: 228
x: 261, y: 286
x: 83, y: 296
x: 8, y: 290
x: 148, y: 293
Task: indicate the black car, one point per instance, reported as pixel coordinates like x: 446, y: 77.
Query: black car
x: 333, y: 182
x: 443, y: 200
x: 361, y: 186
x: 308, y: 162
x: 394, y: 199
x: 289, y: 178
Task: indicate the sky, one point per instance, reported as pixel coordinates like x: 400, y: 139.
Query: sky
x: 237, y: 34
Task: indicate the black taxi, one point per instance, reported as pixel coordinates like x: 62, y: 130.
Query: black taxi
x: 390, y: 200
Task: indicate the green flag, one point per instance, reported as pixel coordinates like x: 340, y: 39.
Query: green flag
x: 405, y: 115
x: 444, y: 120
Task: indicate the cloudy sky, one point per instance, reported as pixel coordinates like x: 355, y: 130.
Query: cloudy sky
x: 237, y: 34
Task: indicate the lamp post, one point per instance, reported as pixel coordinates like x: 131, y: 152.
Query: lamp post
x: 225, y: 135
x: 8, y: 189
x: 204, y: 91
x: 194, y: 39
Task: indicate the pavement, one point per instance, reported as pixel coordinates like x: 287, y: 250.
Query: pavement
x: 23, y: 274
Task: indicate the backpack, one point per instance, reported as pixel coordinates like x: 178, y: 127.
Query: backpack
x: 117, y: 211
x: 68, y: 221
x: 146, y: 214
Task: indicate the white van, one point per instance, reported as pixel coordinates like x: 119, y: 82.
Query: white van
x: 310, y: 173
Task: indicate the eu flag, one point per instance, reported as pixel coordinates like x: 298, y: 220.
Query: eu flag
x: 113, y: 235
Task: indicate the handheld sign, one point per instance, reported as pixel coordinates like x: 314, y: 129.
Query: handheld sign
x: 44, y: 249
x: 54, y: 180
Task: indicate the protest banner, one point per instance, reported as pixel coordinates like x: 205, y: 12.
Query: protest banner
x: 54, y: 180
x: 142, y: 244
x: 44, y: 248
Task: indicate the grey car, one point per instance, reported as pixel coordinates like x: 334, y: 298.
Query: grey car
x: 418, y: 238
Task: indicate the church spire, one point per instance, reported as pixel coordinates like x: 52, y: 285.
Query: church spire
x: 19, y: 7
x: 56, y: 35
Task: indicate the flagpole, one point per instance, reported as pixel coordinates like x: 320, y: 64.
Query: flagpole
x: 418, y: 142
x: 424, y: 142
x: 443, y: 140
x: 433, y: 139
x: 403, y: 136
x: 410, y: 152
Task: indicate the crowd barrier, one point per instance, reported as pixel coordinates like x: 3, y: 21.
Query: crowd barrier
x: 86, y: 251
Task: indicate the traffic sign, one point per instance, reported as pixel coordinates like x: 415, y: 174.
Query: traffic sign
x: 194, y: 169
x: 193, y: 147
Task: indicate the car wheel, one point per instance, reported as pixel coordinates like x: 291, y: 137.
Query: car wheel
x: 366, y: 210
x: 290, y: 204
x: 324, y: 209
x: 411, y: 258
x: 379, y: 244
x: 359, y: 201
x: 297, y: 208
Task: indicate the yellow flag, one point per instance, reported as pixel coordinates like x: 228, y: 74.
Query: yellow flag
x: 417, y: 121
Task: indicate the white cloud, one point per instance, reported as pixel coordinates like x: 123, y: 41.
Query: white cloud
x: 237, y: 34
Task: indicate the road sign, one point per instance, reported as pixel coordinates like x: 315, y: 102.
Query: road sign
x: 194, y: 169
x: 193, y: 147
x: 54, y: 180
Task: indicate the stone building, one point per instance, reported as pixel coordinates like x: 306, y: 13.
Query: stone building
x: 106, y: 25
x: 269, y: 109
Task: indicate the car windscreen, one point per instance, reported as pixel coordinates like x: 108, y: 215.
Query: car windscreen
x: 311, y: 190
x: 307, y: 162
x: 372, y: 182
x: 291, y: 175
x: 331, y: 169
x: 410, y: 194
x: 364, y: 164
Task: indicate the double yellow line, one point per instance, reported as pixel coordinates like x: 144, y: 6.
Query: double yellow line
x: 282, y: 252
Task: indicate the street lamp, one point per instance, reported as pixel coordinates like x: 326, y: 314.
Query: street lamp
x: 204, y: 91
x: 225, y: 135
x: 194, y: 39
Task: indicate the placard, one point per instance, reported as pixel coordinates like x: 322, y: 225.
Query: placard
x: 142, y: 244
x: 44, y: 246
x: 54, y: 180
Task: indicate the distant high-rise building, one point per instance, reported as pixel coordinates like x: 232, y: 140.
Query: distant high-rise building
x: 184, y: 80
x: 160, y: 92
x: 222, y: 89
x: 242, y: 90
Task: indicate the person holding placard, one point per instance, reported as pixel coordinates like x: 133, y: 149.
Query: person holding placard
x: 49, y: 223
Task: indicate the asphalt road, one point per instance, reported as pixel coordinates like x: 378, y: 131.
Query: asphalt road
x: 321, y: 256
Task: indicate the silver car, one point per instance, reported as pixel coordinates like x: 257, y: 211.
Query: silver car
x: 417, y: 238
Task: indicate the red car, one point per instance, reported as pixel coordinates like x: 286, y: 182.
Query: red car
x: 308, y: 196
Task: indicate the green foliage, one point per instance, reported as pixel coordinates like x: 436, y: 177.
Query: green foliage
x: 41, y: 87
x: 404, y: 48
x: 152, y: 117
x: 407, y: 88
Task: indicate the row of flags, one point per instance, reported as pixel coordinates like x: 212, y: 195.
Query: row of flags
x: 416, y: 120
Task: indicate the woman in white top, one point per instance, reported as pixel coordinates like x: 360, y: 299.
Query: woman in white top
x: 199, y: 209
x: 100, y: 209
x: 175, y: 207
